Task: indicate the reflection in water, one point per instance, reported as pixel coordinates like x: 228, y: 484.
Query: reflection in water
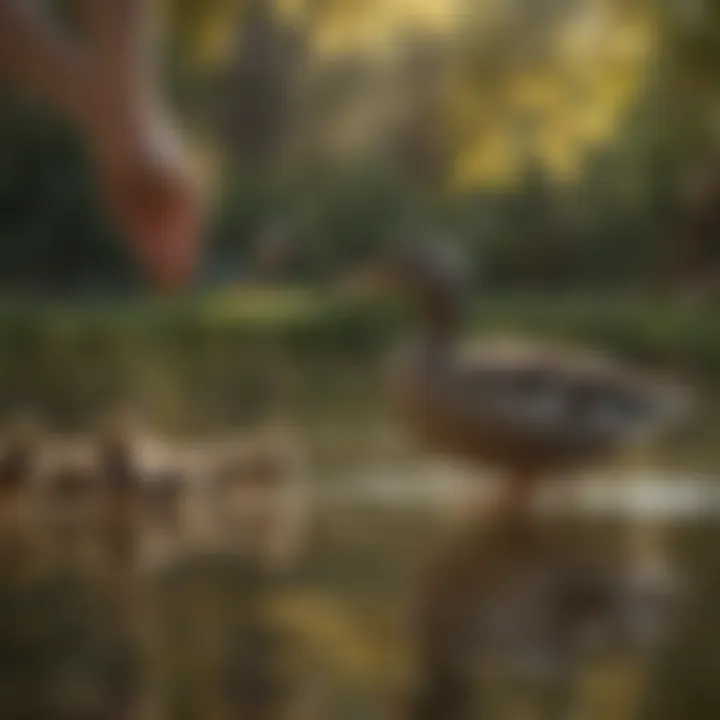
x: 329, y: 624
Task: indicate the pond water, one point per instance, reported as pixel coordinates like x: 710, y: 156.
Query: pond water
x: 377, y: 526
x: 376, y: 517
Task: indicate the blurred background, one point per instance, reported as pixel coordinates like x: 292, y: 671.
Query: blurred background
x: 570, y: 147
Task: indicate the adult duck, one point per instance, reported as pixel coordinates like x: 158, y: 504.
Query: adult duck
x: 528, y: 408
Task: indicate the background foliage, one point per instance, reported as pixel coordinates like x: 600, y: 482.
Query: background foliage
x: 551, y: 137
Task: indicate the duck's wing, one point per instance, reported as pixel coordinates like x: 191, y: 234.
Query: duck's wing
x: 559, y: 397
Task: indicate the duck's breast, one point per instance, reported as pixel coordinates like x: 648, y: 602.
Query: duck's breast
x: 429, y: 395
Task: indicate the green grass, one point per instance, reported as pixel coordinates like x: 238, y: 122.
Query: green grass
x: 654, y: 328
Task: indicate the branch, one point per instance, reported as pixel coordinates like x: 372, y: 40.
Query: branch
x: 34, y: 53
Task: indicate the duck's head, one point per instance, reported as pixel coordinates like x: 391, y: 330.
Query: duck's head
x: 432, y: 275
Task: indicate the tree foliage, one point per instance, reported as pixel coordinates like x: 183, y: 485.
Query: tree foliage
x: 544, y: 133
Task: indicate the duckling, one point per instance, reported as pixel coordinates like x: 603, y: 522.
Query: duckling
x: 255, y: 501
x: 260, y: 494
x: 163, y: 522
x: 71, y: 503
x: 529, y: 410
x: 163, y: 497
x: 116, y: 443
x: 121, y: 477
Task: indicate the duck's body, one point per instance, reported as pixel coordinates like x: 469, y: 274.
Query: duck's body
x: 524, y: 406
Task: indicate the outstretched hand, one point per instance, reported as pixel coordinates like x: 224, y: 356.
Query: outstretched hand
x: 156, y: 202
x: 107, y: 86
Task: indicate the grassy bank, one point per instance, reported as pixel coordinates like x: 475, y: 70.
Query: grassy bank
x: 236, y: 349
x: 653, y: 327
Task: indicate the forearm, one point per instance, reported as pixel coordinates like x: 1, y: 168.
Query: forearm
x: 36, y: 57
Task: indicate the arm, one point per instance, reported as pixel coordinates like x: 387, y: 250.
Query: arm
x: 105, y: 84
x: 34, y: 53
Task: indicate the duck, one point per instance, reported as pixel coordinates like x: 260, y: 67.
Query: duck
x: 527, y: 408
x: 261, y: 497
x: 122, y: 477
